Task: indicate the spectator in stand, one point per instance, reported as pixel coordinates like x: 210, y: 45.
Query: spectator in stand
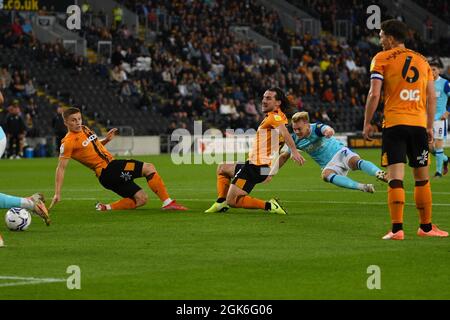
x: 15, y: 130
x: 59, y: 128
x: 117, y: 57
x: 31, y: 112
x: 30, y: 90
x: 118, y: 75
x: 17, y: 85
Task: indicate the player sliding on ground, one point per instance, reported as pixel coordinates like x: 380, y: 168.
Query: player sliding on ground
x: 270, y: 137
x: 82, y: 144
x: 331, y: 155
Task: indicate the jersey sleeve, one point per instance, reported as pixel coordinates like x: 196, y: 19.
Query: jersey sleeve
x: 66, y: 149
x: 447, y: 88
x: 320, y: 129
x: 377, y: 67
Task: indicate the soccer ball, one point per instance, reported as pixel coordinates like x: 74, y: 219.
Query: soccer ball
x: 18, y: 219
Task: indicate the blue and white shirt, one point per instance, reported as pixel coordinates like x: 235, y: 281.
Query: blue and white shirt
x: 442, y: 88
x: 320, y: 148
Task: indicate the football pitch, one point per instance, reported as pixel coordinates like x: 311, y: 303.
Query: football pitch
x: 324, y: 249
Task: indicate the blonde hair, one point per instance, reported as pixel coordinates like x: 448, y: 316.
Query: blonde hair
x: 300, y: 116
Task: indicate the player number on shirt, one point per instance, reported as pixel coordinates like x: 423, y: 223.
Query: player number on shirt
x: 406, y: 68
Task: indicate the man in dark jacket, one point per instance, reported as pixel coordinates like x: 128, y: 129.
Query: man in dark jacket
x: 15, y: 129
x: 59, y: 129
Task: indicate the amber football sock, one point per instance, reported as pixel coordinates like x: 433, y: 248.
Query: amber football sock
x: 156, y: 183
x: 123, y: 204
x: 396, y: 200
x: 248, y: 202
x: 223, y: 184
x: 423, y: 198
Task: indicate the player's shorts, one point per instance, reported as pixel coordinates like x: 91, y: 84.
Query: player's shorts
x: 247, y: 175
x: 2, y: 142
x: 339, y: 162
x: 440, y: 129
x: 118, y: 176
x: 403, y: 141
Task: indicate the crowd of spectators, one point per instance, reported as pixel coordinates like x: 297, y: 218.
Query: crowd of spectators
x: 195, y: 68
x: 440, y: 8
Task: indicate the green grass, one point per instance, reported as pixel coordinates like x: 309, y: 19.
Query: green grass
x: 321, y: 250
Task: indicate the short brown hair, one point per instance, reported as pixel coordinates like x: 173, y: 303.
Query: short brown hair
x: 70, y: 111
x: 395, y: 28
x: 300, y: 116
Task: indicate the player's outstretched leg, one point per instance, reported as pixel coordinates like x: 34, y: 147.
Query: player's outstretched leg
x: 346, y: 182
x: 34, y: 203
x: 156, y: 184
x: 225, y: 172
x: 39, y: 207
x: 371, y: 169
x: 2, y: 243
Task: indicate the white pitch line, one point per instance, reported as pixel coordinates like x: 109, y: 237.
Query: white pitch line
x: 328, y: 202
x: 27, y: 281
x: 287, y: 201
x: 210, y: 190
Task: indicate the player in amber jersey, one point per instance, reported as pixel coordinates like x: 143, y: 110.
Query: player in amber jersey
x: 83, y: 145
x: 270, y: 137
x: 409, y: 108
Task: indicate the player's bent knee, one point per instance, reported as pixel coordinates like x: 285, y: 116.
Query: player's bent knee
x: 231, y: 201
x: 141, y: 198
x: 148, y: 169
x: 353, y: 163
x: 325, y: 176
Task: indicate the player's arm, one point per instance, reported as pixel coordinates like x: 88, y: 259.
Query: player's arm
x: 277, y: 164
x: 59, y: 179
x: 373, y: 97
x: 327, y: 131
x: 296, y: 156
x: 431, y: 109
x: 1, y: 98
x: 109, y: 136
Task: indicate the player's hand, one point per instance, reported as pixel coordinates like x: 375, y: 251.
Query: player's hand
x: 56, y: 199
x: 111, y: 134
x: 297, y: 157
x: 430, y: 135
x: 368, y: 132
x: 268, y: 179
x: 329, y: 132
